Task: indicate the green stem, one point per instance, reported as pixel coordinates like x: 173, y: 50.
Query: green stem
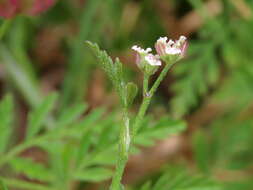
x: 120, y: 167
x: 147, y: 99
x: 124, y: 143
x: 143, y: 108
x: 145, y: 84
x: 160, y: 78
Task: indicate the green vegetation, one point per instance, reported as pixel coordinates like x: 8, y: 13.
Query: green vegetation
x: 77, y: 112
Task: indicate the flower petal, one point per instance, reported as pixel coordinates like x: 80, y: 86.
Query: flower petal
x: 153, y: 60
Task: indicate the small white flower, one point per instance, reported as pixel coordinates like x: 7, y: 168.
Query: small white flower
x: 171, y: 47
x: 146, y: 61
x: 153, y: 60
x: 144, y: 54
x: 140, y: 50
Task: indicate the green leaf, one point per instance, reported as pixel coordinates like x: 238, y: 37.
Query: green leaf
x: 21, y: 184
x: 131, y: 92
x: 105, y: 61
x: 195, y: 75
x: 104, y: 157
x: 162, y: 129
x: 91, y: 118
x: 31, y: 169
x: 113, y: 70
x: 86, y: 123
x: 6, y: 118
x: 85, y: 143
x: 179, y: 179
x: 93, y: 174
x: 69, y: 116
x: 118, y: 70
x: 37, y: 118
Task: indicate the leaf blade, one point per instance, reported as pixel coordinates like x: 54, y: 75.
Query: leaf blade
x: 37, y: 118
x: 31, y: 169
x: 93, y: 174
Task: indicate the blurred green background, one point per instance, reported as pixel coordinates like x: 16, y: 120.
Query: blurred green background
x: 212, y: 88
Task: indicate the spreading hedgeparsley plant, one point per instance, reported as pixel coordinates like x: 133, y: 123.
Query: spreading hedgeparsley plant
x: 168, y: 53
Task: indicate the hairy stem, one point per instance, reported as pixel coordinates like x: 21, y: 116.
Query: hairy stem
x: 124, y: 140
x: 124, y: 143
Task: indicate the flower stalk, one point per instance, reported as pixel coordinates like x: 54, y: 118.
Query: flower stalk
x: 147, y: 99
x: 124, y: 143
x: 169, y: 52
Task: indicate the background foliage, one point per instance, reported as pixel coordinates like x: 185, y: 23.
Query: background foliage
x: 59, y: 115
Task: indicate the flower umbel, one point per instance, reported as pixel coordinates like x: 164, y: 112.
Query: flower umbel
x: 171, y: 51
x: 146, y: 61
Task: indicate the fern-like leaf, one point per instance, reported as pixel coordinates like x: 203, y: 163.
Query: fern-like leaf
x: 160, y: 130
x: 31, y: 169
x: 37, y: 118
x: 195, y: 76
x: 93, y: 174
x: 179, y: 179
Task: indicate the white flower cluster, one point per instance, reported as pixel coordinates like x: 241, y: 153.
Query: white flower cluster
x: 164, y: 48
x: 149, y: 57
